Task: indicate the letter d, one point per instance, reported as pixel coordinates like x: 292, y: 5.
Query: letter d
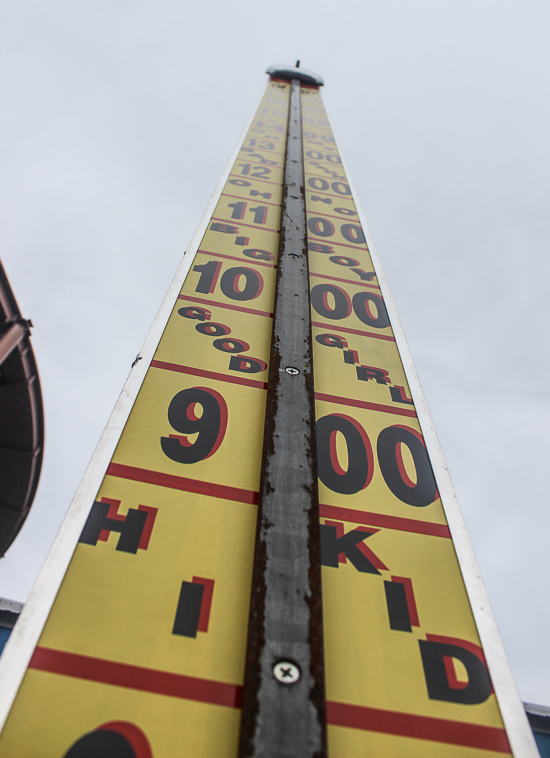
x: 246, y: 364
x: 479, y: 686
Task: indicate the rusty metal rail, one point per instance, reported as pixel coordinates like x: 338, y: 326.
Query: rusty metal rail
x: 283, y: 702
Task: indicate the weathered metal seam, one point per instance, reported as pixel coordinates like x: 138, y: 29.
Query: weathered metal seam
x: 312, y: 599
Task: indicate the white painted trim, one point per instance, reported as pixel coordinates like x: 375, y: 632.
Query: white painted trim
x: 515, y: 721
x: 24, y: 638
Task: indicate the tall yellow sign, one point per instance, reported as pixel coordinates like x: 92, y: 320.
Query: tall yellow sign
x: 133, y: 642
x: 406, y: 671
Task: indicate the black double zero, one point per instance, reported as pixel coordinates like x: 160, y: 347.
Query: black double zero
x: 343, y: 305
x: 359, y: 473
x: 321, y: 185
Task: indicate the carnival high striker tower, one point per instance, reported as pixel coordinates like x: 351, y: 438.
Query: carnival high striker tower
x: 265, y: 556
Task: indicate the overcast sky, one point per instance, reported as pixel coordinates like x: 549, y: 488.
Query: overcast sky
x: 117, y: 119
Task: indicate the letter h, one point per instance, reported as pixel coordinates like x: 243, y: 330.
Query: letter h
x: 134, y: 528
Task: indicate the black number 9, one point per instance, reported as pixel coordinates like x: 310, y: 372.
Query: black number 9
x: 195, y: 410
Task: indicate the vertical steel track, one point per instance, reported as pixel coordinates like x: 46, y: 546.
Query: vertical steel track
x: 283, y: 705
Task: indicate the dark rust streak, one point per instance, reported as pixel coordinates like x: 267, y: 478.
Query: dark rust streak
x: 256, y: 637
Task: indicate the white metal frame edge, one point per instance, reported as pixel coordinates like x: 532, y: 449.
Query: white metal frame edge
x: 515, y: 720
x: 26, y: 633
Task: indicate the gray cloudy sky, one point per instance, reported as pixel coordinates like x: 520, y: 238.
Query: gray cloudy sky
x: 117, y: 120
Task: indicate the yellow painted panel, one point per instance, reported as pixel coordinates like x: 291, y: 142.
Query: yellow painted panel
x: 193, y: 535
x: 228, y: 236
x: 239, y: 286
x: 390, y: 659
x: 140, y: 445
x: 253, y: 214
x: 405, y: 672
x: 376, y: 495
x: 149, y: 626
x: 356, y: 743
x: 364, y: 368
x: 54, y: 711
x: 193, y: 333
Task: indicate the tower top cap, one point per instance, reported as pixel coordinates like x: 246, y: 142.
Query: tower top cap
x: 293, y: 72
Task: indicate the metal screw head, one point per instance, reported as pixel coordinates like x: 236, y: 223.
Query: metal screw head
x: 293, y: 255
x: 286, y: 672
x: 292, y: 371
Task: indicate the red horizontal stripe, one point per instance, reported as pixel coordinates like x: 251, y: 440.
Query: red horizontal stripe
x: 386, y: 522
x: 229, y: 306
x: 420, y: 727
x: 246, y: 259
x: 338, y: 328
x: 210, y: 374
x: 229, y: 695
x: 136, y: 677
x: 235, y: 222
x: 249, y: 178
x: 240, y: 197
x: 182, y: 483
x: 347, y: 281
x: 328, y: 241
x: 363, y: 404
